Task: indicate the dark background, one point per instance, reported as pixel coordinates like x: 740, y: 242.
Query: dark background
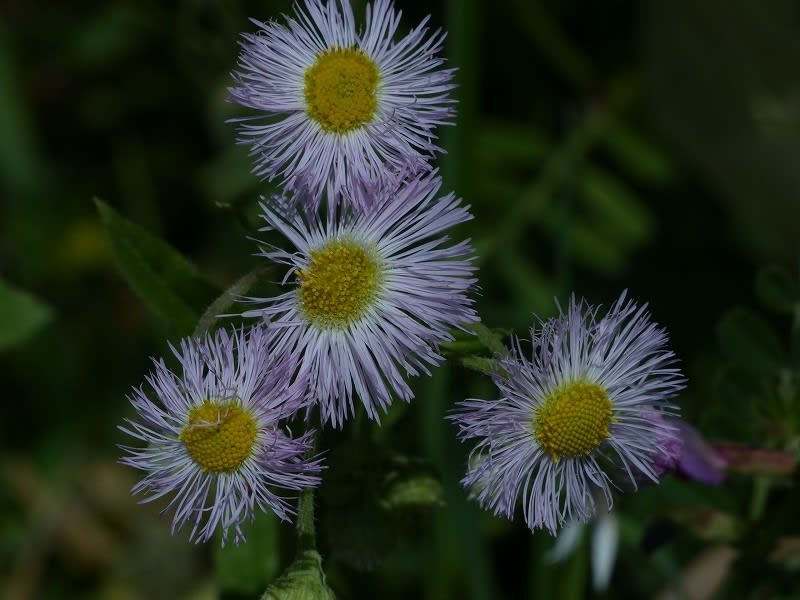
x: 645, y: 146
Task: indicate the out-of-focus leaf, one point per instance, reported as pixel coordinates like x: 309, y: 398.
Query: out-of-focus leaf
x: 749, y: 342
x: 531, y: 288
x: 709, y: 524
x: 303, y: 580
x: 786, y: 551
x: 777, y: 289
x: 21, y: 315
x: 636, y: 154
x: 757, y: 461
x: 167, y: 282
x: 614, y: 208
x: 508, y: 144
x: 113, y: 32
x: 229, y: 177
x: 416, y: 491
x: 248, y: 567
x: 410, y: 484
x: 594, y: 250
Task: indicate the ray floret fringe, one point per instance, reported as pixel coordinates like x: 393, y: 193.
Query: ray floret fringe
x: 574, y: 415
x: 214, y: 435
x: 373, y: 294
x: 338, y: 105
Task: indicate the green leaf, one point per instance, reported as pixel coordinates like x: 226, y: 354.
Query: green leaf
x: 595, y: 250
x: 410, y: 484
x: 492, y: 339
x: 749, y: 342
x: 529, y: 286
x: 613, y: 207
x: 246, y: 569
x: 167, y: 282
x: 508, y: 144
x: 480, y: 364
x: 418, y: 490
x: 21, y: 315
x: 709, y: 524
x: 778, y: 289
x: 635, y: 153
x: 303, y: 580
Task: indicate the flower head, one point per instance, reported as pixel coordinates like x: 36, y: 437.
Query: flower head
x: 213, y: 433
x: 570, y: 416
x: 373, y: 294
x: 339, y: 106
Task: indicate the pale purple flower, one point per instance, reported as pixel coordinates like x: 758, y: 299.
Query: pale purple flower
x: 372, y: 294
x: 213, y: 434
x: 339, y: 105
x: 572, y: 414
x: 697, y: 459
x: 682, y: 449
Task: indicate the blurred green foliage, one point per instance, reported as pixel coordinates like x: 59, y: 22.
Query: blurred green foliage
x: 647, y: 146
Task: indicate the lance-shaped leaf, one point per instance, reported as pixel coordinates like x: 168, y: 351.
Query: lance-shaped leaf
x: 167, y: 282
x: 21, y: 315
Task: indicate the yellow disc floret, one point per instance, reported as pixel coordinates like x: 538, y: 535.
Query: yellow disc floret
x: 341, y: 281
x: 340, y: 89
x: 219, y: 436
x: 573, y: 420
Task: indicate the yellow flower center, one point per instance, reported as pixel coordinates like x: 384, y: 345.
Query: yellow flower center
x: 340, y: 89
x: 573, y: 420
x: 341, y: 281
x: 219, y: 436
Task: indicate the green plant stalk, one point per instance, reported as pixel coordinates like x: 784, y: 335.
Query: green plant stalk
x: 228, y: 297
x: 758, y: 501
x: 306, y: 528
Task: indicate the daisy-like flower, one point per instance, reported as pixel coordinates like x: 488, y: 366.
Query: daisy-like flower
x: 213, y: 434
x: 340, y: 106
x: 576, y: 413
x: 373, y: 294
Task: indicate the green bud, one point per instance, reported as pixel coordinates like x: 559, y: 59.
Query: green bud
x: 302, y: 580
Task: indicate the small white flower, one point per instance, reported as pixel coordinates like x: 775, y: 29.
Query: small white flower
x: 341, y: 107
x: 373, y: 294
x: 213, y: 434
x: 579, y: 411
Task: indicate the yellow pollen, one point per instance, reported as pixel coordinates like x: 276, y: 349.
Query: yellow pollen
x: 219, y: 436
x: 339, y: 284
x: 573, y: 420
x: 340, y: 89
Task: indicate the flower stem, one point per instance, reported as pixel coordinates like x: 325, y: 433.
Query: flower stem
x: 306, y: 529
x: 228, y: 297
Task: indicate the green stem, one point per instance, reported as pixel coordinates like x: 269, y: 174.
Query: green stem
x: 240, y: 217
x: 306, y: 528
x: 758, y: 500
x: 228, y: 297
